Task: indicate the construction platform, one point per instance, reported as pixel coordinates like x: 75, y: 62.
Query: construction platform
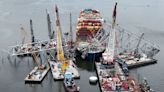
x: 113, y: 79
x: 108, y: 75
x: 134, y: 62
x: 37, y: 75
x: 56, y: 69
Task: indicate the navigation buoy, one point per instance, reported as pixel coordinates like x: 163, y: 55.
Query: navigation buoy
x: 93, y: 80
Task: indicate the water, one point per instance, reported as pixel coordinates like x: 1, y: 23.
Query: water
x: 136, y: 15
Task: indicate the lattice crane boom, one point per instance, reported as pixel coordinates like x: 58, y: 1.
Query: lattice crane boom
x: 24, y: 34
x: 60, y: 52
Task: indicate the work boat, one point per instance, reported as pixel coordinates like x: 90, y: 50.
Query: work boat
x: 69, y: 82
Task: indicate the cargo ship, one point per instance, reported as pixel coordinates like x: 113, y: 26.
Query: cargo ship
x: 89, y: 24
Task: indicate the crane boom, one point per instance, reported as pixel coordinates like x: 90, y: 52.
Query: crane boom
x: 24, y: 34
x: 49, y: 25
x: 136, y: 50
x: 32, y: 32
x: 60, y: 52
x: 36, y: 59
x: 109, y: 53
x: 71, y: 34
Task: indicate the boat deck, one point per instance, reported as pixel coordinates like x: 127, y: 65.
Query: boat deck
x: 57, y: 71
x: 112, y: 79
x: 37, y: 75
x: 106, y: 74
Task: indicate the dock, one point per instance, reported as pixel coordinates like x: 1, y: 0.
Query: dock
x: 37, y: 75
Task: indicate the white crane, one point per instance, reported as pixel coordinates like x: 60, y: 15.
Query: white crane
x: 108, y: 55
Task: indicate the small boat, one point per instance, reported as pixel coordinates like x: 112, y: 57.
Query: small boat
x: 37, y: 74
x: 69, y: 83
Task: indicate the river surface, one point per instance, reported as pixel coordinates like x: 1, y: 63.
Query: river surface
x: 137, y: 16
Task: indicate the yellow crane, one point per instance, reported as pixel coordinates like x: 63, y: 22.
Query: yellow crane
x: 60, y: 52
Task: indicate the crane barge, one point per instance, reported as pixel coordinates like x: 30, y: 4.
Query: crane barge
x: 112, y: 71
x: 39, y: 72
x: 59, y: 64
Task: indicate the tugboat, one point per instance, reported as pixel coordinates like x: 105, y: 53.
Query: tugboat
x: 69, y: 83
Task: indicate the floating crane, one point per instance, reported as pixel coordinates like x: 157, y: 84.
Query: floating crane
x: 61, y: 64
x: 60, y: 52
x: 39, y: 72
x: 108, y: 55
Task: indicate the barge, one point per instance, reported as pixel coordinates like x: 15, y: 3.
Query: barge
x: 134, y: 62
x: 58, y: 63
x: 37, y: 74
x: 112, y: 79
x: 58, y: 69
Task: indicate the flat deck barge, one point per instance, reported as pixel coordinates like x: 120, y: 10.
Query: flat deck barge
x: 57, y: 72
x: 112, y: 79
x: 134, y: 62
x: 37, y: 75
